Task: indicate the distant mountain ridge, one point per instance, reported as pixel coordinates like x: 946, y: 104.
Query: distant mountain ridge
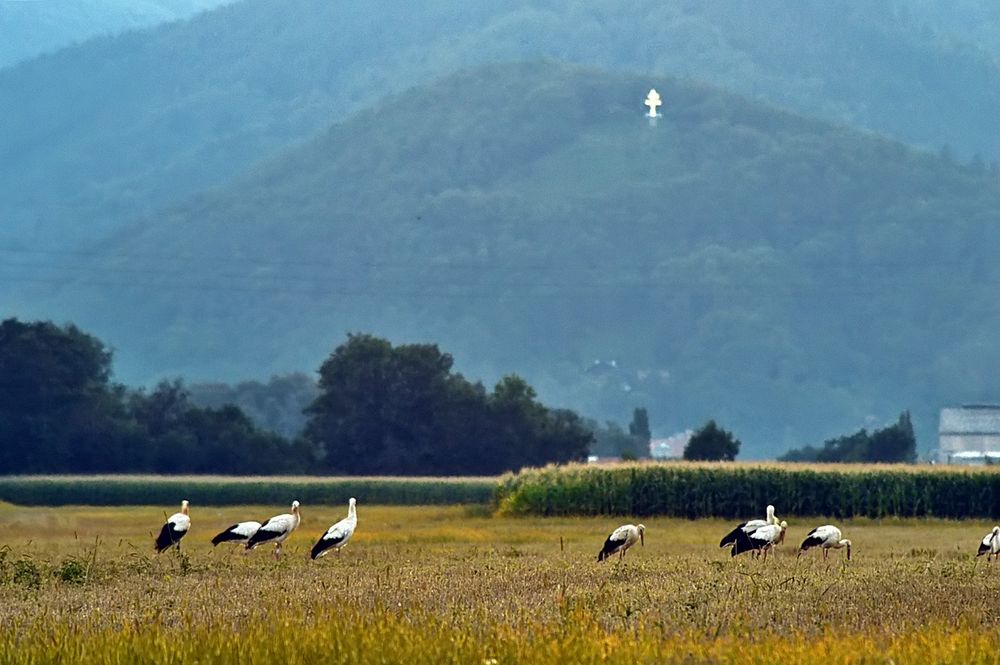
x: 96, y: 135
x: 29, y: 29
x: 791, y: 278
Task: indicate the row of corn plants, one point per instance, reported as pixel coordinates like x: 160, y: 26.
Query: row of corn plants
x: 221, y: 491
x: 692, y: 491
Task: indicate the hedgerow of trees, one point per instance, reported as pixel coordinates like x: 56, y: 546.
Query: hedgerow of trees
x: 401, y: 410
x: 61, y: 413
x: 379, y: 409
x: 612, y: 440
x: 895, y: 443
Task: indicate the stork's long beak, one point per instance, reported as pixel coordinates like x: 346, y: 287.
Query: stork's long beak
x: 848, y: 552
x: 642, y: 539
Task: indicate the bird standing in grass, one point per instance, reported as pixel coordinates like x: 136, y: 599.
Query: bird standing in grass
x: 828, y: 537
x: 237, y: 533
x: 761, y: 540
x: 990, y: 545
x: 621, y: 539
x: 749, y: 527
x: 176, y: 528
x: 337, y: 535
x: 276, y: 530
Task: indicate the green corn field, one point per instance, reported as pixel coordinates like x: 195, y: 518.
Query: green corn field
x: 737, y: 490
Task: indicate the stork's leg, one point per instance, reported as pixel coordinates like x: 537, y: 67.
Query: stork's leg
x: 826, y: 553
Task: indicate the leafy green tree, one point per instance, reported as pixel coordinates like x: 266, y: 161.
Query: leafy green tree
x: 711, y: 442
x: 639, y: 429
x: 386, y: 410
x: 58, y: 410
x: 896, y: 443
x: 184, y: 438
x: 276, y: 406
x: 640, y: 424
x: 612, y: 440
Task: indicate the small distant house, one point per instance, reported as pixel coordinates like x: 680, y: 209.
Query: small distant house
x: 969, y: 434
x: 671, y: 447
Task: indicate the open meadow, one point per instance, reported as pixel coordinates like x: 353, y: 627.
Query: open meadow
x: 453, y: 584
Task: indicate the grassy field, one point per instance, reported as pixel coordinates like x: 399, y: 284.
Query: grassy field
x: 451, y: 584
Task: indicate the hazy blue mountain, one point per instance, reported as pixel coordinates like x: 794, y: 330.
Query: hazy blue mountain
x: 29, y: 28
x: 101, y: 133
x: 791, y: 278
x: 963, y: 23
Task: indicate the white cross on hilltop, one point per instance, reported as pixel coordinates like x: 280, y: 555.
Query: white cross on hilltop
x: 653, y: 101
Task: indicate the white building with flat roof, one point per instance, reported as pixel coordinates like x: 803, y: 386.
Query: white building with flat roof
x: 969, y: 434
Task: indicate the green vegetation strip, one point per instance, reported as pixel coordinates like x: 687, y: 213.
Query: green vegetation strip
x: 677, y: 490
x: 223, y: 491
x: 739, y: 491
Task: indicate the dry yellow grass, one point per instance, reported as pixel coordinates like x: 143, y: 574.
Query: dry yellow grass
x: 452, y: 584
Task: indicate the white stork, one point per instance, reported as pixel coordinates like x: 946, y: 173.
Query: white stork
x: 990, y: 545
x: 761, y: 540
x: 337, y: 535
x: 828, y: 537
x: 276, y: 530
x: 621, y: 539
x: 749, y: 527
x: 237, y: 533
x: 176, y: 527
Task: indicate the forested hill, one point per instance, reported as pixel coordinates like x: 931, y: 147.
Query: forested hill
x: 93, y: 135
x: 28, y: 29
x: 793, y: 279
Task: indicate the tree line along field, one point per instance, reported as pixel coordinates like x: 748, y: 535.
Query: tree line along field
x: 455, y: 584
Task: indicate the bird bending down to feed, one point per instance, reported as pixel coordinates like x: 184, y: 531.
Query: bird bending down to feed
x: 621, y: 539
x: 337, y: 535
x: 237, y: 533
x: 828, y: 537
x: 990, y: 545
x: 749, y: 527
x: 761, y: 540
x: 276, y: 530
x: 176, y: 527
